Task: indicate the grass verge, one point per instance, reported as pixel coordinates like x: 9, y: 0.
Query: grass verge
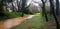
x: 34, y: 23
x: 8, y: 15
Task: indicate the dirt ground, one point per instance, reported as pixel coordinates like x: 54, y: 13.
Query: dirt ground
x: 11, y: 22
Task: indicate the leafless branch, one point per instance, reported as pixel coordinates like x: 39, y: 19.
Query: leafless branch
x: 29, y: 4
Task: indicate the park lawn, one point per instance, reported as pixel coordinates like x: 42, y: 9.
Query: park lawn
x: 34, y: 23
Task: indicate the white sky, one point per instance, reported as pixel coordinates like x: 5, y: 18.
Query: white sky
x: 37, y: 1
x: 59, y: 0
x: 30, y: 1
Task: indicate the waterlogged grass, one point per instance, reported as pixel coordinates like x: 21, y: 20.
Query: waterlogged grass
x: 34, y: 23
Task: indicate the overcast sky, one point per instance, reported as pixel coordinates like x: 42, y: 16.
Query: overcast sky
x: 29, y: 1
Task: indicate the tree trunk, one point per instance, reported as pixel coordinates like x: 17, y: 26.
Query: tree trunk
x: 44, y: 11
x: 23, y: 6
x: 1, y: 9
x: 52, y: 8
x: 18, y: 6
x: 57, y: 7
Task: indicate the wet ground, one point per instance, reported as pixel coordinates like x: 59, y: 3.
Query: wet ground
x: 13, y: 22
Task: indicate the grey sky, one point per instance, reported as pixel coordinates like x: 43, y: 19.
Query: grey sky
x: 47, y: 3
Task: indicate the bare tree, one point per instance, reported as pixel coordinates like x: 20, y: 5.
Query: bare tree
x: 1, y: 8
x: 43, y: 9
x: 57, y: 7
x: 18, y: 4
x: 2, y: 2
x: 52, y: 10
x: 12, y: 5
x: 23, y: 8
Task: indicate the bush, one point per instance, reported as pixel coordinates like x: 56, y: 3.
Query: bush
x: 28, y: 11
x: 8, y: 15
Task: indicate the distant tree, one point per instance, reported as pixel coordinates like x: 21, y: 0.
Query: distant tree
x: 18, y: 5
x: 9, y: 1
x: 2, y: 2
x: 23, y: 6
x: 43, y: 9
x: 13, y: 6
x: 1, y: 8
x: 52, y: 10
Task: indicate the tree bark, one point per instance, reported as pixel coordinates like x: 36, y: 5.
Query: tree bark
x: 1, y: 9
x: 52, y: 9
x: 23, y: 6
x: 57, y: 7
x: 44, y: 11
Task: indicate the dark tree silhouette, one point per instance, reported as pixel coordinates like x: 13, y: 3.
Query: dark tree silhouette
x: 1, y: 8
x: 18, y: 5
x: 57, y: 7
x: 6, y: 4
x: 23, y: 8
x: 44, y: 10
x: 52, y: 10
x: 2, y: 2
x: 12, y: 6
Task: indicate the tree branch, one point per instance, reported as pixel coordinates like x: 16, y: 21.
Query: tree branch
x: 28, y: 6
x: 43, y: 1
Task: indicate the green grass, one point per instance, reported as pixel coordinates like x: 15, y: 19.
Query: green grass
x: 9, y: 15
x: 35, y: 23
x: 38, y: 14
x: 26, y: 14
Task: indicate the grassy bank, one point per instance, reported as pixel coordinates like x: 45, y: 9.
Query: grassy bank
x: 8, y: 15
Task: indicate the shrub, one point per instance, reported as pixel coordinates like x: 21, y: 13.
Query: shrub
x: 8, y: 15
x: 28, y: 11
